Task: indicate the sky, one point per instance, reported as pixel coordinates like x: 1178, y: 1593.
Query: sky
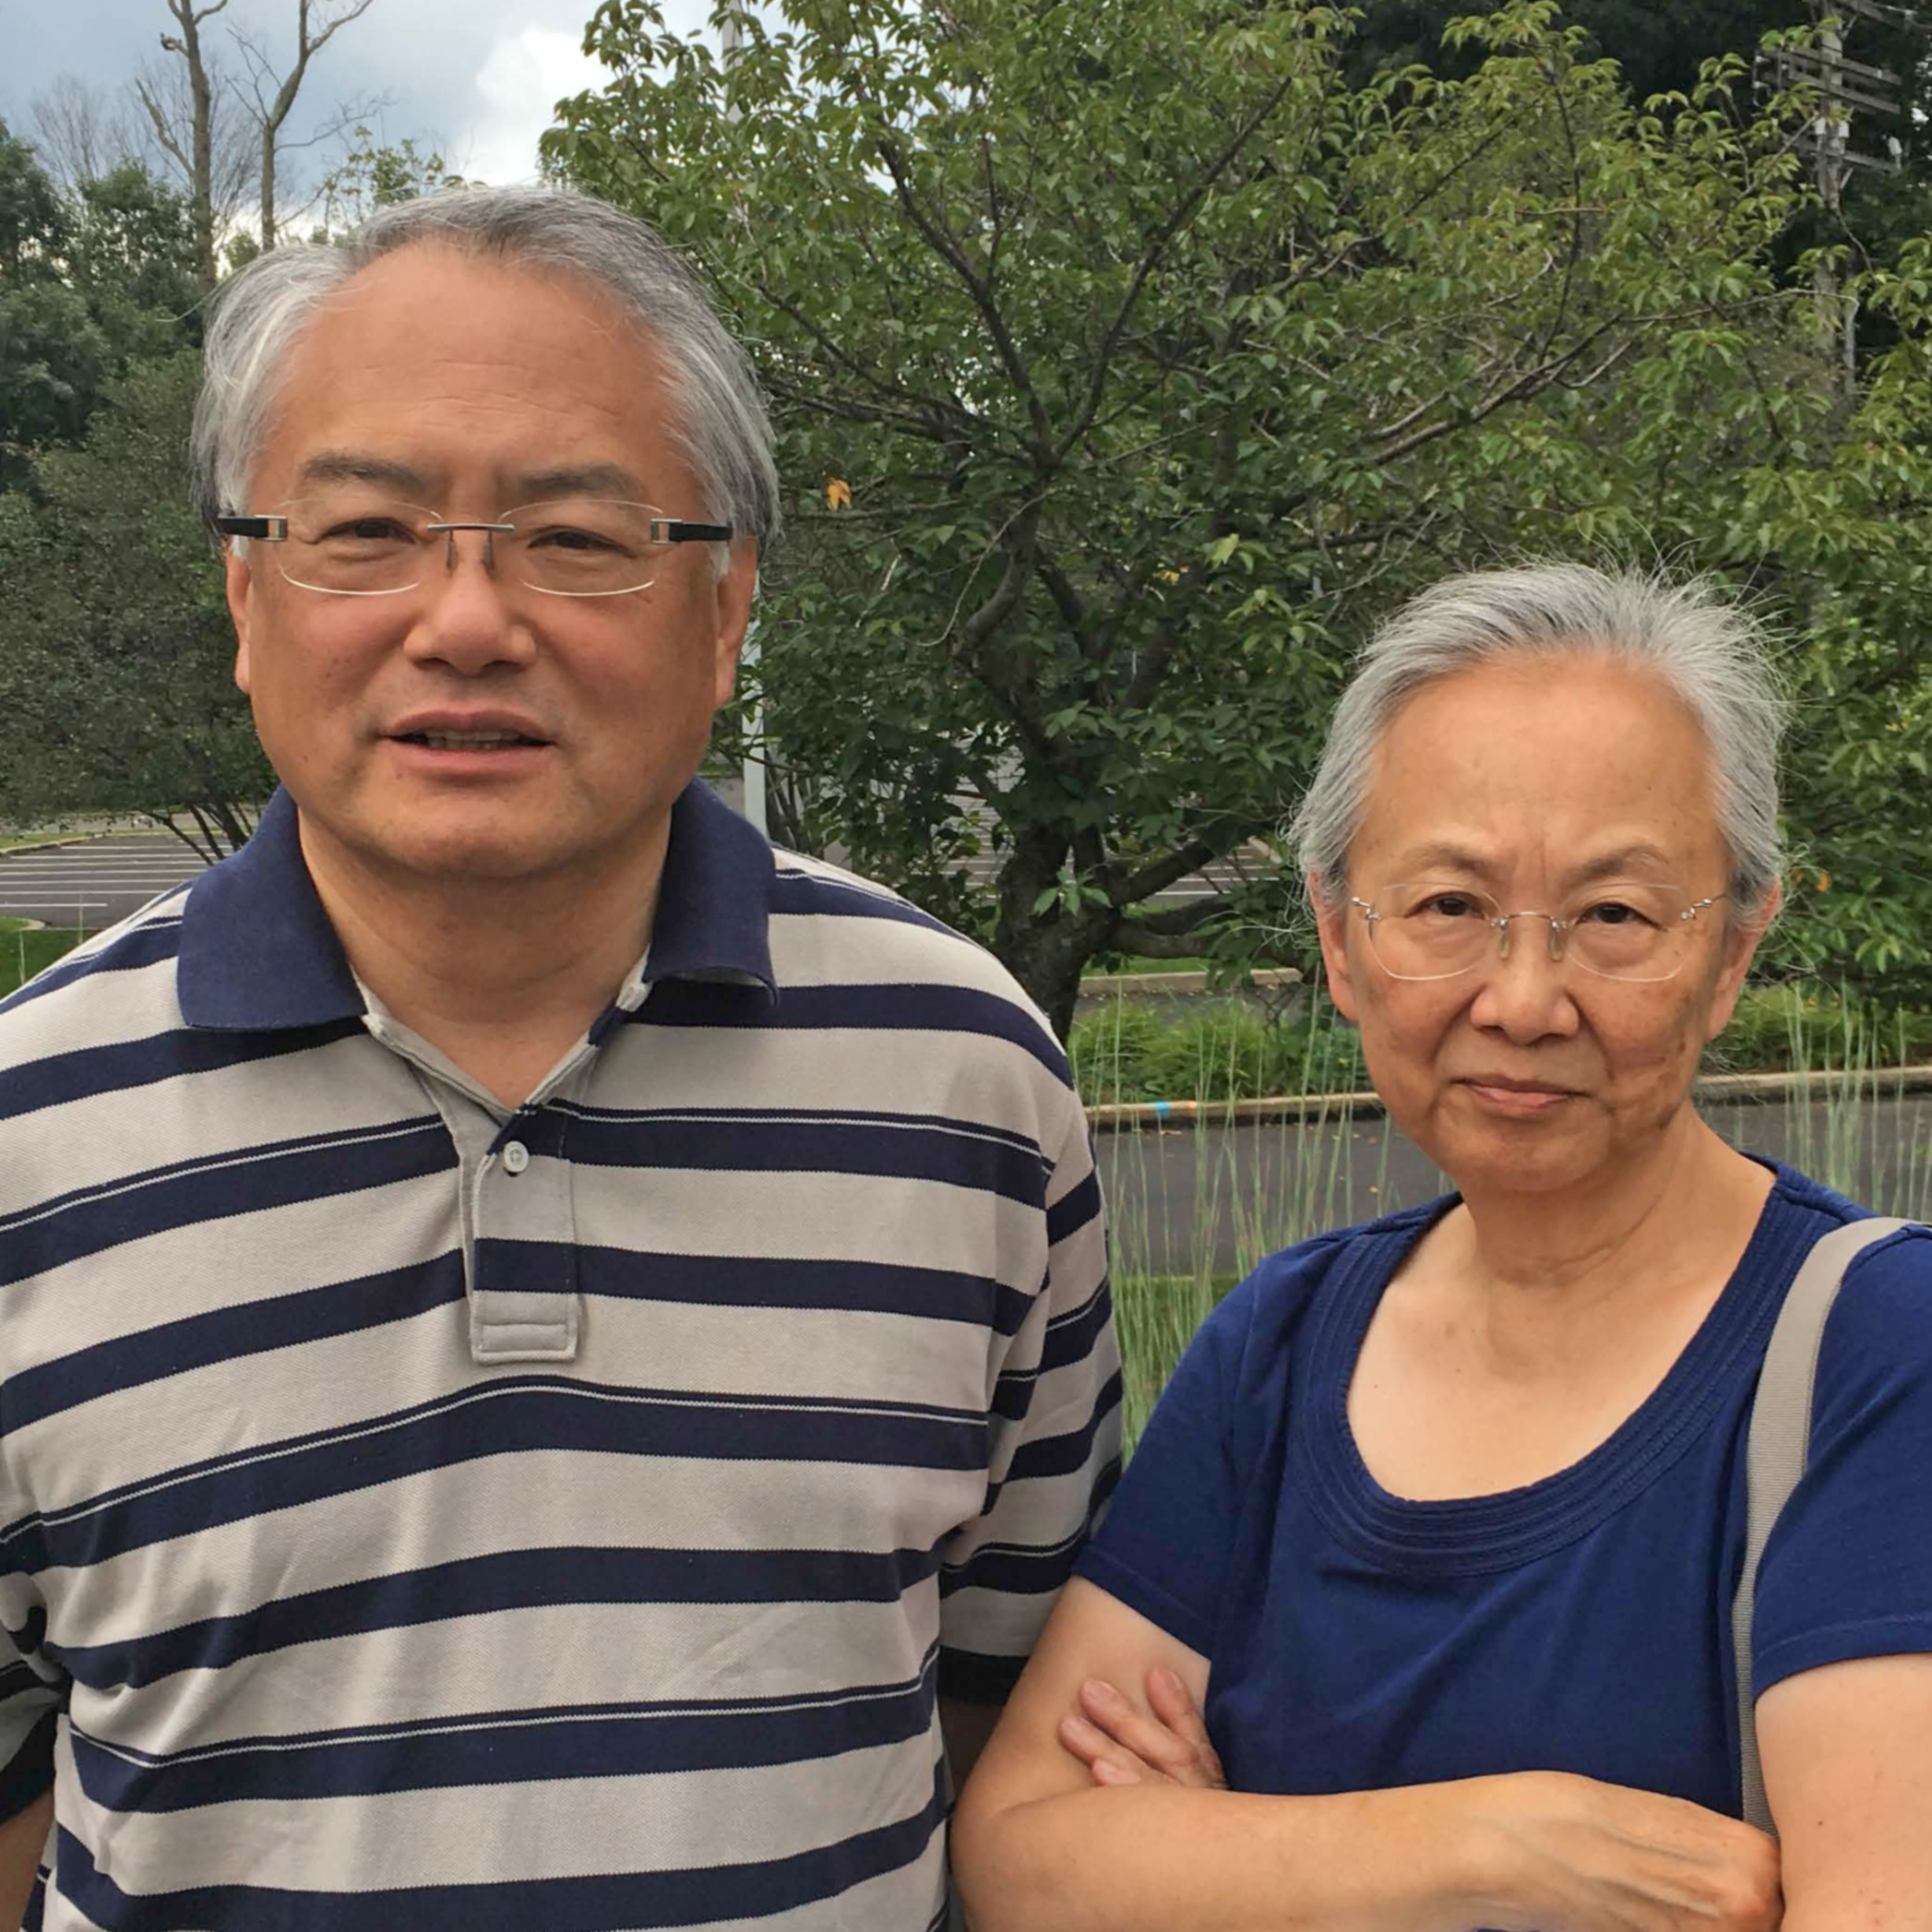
x: 474, y: 79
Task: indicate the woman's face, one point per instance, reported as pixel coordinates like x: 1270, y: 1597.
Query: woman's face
x: 1536, y: 781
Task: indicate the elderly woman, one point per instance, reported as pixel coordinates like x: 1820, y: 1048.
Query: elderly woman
x: 1440, y: 1520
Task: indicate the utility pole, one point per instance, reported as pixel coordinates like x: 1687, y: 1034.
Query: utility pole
x: 1844, y: 87
x: 755, y: 809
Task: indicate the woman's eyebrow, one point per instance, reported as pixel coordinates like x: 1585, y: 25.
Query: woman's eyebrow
x: 1620, y: 861
x: 1456, y: 858
x: 1464, y: 858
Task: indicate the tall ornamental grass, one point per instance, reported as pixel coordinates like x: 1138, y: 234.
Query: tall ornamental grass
x: 1860, y: 1127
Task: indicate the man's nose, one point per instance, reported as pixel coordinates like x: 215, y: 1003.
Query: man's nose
x: 468, y: 616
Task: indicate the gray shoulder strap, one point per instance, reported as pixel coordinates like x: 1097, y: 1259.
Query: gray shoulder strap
x: 1779, y: 1442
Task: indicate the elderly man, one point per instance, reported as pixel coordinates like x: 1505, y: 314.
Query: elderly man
x: 547, y: 1350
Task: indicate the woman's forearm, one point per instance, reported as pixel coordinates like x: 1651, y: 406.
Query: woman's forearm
x: 1159, y: 1858
x: 1517, y: 1851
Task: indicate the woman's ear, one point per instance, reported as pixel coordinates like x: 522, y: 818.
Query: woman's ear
x: 1742, y: 938
x: 1331, y: 923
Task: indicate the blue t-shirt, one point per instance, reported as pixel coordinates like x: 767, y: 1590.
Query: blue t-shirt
x: 1359, y: 1641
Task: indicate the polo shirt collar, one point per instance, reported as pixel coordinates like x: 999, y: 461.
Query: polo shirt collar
x: 258, y: 953
x: 714, y: 901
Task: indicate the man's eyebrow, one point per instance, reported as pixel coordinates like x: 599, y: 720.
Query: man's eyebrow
x: 354, y: 466
x: 575, y: 480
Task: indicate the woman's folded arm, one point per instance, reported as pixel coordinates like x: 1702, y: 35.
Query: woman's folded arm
x: 1039, y: 1846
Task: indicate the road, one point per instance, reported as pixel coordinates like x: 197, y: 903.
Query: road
x: 96, y: 883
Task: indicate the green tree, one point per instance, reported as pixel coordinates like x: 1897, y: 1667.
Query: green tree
x: 33, y: 227
x: 132, y: 256
x: 88, y: 286
x: 54, y: 358
x: 1158, y: 361
x: 376, y: 174
x: 115, y: 647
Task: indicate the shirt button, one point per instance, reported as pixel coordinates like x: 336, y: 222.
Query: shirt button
x: 516, y: 1157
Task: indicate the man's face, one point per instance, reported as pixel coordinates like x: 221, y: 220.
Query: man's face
x: 466, y: 385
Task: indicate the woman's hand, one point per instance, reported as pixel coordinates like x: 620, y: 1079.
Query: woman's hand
x: 1120, y: 1744
x: 1570, y: 1855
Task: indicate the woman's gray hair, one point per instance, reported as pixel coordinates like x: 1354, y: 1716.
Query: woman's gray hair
x: 1711, y: 653
x: 260, y: 315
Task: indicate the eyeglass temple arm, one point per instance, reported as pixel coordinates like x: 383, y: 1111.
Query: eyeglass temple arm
x: 667, y: 529
x: 263, y: 529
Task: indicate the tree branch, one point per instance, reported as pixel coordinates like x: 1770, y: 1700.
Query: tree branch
x: 1172, y: 867
x: 943, y: 242
x: 1178, y: 219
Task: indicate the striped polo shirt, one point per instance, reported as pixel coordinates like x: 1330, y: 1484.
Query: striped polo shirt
x: 433, y: 1516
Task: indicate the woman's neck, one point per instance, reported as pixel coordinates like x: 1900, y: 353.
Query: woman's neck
x: 1686, y: 1205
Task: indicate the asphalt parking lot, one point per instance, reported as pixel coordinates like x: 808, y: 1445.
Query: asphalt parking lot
x: 94, y: 883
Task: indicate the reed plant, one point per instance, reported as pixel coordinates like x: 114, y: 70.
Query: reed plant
x: 1301, y: 1176
x: 1865, y: 1128
x: 1857, y: 1119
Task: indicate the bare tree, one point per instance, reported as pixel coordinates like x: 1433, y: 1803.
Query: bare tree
x: 83, y: 131
x: 317, y: 23
x: 185, y: 128
x: 219, y: 135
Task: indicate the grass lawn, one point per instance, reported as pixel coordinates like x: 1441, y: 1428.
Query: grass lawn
x: 24, y: 952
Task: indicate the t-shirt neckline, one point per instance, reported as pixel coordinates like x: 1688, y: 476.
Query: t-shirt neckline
x: 1504, y: 1530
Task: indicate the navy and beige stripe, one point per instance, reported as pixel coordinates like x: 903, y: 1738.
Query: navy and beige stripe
x: 397, y: 1532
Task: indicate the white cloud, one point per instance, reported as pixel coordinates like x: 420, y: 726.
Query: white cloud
x: 522, y: 78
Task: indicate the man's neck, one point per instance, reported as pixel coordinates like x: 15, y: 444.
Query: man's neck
x: 501, y: 976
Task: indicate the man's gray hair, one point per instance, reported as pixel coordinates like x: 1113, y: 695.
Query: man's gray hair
x: 260, y: 316
x: 1711, y: 653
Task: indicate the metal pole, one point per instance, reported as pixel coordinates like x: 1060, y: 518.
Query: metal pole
x: 755, y: 801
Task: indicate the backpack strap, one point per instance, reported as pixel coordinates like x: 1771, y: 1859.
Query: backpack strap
x: 1775, y: 1451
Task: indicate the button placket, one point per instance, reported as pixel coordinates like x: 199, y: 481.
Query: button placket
x: 518, y: 1213
x: 524, y: 1304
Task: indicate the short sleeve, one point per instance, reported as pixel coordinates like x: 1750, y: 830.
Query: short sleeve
x: 1054, y: 1451
x: 31, y: 1699
x: 1847, y: 1569
x: 1166, y: 1546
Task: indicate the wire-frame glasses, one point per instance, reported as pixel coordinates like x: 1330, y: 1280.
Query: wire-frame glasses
x: 350, y: 544
x: 1624, y: 930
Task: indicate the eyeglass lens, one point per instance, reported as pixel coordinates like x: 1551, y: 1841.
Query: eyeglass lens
x: 357, y: 545
x: 1624, y: 930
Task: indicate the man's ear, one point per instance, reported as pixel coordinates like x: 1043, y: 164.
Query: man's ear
x: 1331, y: 923
x: 239, y: 579
x: 734, y: 594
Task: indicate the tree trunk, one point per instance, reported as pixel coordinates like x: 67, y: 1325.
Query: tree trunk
x: 273, y: 114
x: 267, y: 194
x: 204, y: 139
x: 1046, y: 952
x: 199, y: 159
